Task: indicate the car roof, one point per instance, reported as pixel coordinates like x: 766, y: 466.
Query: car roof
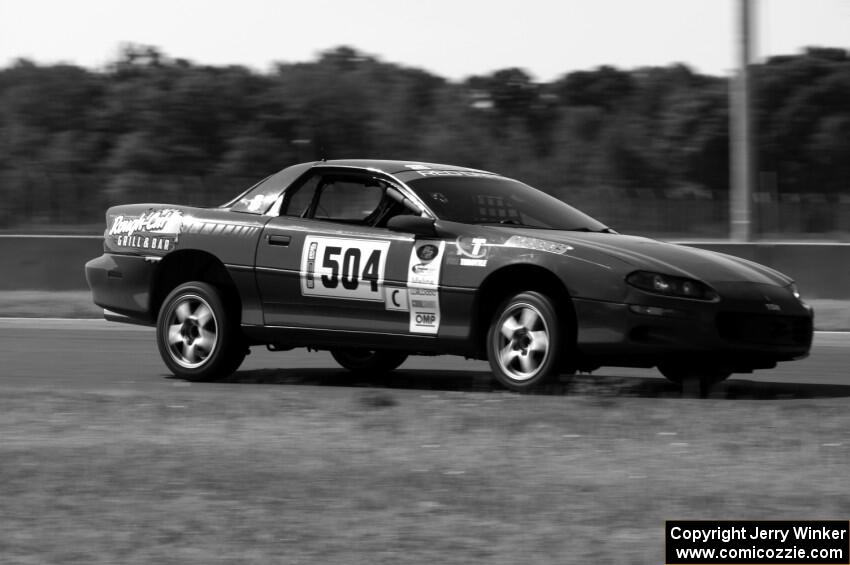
x: 392, y: 166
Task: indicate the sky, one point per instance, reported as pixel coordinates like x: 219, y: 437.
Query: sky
x: 451, y: 38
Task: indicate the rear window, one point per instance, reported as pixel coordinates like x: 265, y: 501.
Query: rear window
x: 259, y: 198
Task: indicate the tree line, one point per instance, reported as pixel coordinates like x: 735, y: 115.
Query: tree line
x: 148, y: 124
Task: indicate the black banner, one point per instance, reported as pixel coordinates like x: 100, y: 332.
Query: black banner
x: 759, y: 542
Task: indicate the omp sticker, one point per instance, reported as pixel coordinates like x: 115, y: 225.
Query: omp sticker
x: 423, y: 279
x: 155, y: 230
x: 396, y: 299
x: 348, y: 268
x: 466, y: 262
x: 425, y: 321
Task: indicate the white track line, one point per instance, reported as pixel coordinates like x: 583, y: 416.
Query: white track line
x: 832, y: 338
x: 67, y: 324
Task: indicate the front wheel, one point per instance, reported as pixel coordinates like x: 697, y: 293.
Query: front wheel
x: 368, y: 361
x: 197, y: 335
x: 523, y: 341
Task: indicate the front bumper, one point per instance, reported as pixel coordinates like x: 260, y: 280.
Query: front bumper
x: 738, y: 331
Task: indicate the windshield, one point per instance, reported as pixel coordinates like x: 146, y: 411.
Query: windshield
x: 498, y: 200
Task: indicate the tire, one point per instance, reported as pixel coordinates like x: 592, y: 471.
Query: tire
x: 197, y: 335
x: 695, y: 380
x: 524, y: 341
x: 368, y: 361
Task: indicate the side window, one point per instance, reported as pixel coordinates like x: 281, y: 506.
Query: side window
x: 348, y: 200
x: 298, y: 203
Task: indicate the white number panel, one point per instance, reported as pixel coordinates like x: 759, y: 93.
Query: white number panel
x: 338, y: 267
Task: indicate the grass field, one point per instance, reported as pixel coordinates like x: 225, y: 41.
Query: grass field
x: 241, y: 473
x: 830, y: 315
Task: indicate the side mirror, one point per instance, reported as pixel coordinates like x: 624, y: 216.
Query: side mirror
x: 417, y: 225
x: 394, y: 193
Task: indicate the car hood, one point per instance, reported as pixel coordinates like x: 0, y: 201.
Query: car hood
x: 643, y: 253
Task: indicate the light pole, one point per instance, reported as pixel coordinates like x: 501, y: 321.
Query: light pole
x: 741, y: 133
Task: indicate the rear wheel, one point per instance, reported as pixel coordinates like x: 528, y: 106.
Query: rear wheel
x: 197, y: 336
x: 368, y: 361
x: 523, y: 341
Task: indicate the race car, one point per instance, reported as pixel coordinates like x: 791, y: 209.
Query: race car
x: 376, y: 260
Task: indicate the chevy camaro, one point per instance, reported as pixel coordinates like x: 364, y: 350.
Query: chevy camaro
x: 378, y: 260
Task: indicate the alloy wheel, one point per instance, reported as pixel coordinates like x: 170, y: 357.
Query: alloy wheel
x: 522, y: 342
x: 192, y: 331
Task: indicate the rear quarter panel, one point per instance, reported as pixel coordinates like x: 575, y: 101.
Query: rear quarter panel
x: 159, y: 229
x: 156, y: 231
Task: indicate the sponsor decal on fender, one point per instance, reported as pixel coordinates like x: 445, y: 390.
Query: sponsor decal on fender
x: 155, y: 230
x: 538, y: 244
x: 427, y: 252
x: 472, y: 251
x: 423, y: 279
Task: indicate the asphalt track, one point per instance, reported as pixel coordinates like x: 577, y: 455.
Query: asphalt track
x: 95, y: 355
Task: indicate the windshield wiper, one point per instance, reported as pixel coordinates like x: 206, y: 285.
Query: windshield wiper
x: 588, y: 230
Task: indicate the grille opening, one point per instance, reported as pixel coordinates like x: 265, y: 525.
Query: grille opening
x: 765, y: 329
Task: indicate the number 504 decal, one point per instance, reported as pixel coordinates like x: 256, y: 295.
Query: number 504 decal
x: 344, y: 268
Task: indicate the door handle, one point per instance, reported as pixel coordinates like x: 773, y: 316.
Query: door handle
x: 282, y: 240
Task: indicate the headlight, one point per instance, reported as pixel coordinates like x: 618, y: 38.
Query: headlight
x: 668, y: 285
x: 793, y: 288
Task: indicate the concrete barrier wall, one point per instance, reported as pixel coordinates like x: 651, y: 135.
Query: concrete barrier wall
x: 822, y: 270
x: 52, y: 262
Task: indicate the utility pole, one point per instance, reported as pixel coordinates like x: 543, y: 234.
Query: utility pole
x: 741, y: 133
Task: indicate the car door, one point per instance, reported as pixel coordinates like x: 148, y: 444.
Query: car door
x: 324, y: 263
